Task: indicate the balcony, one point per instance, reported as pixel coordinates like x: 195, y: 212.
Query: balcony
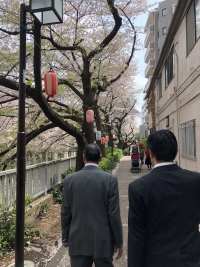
x: 144, y: 97
x: 149, y: 22
x: 150, y: 68
x: 146, y: 87
x: 149, y: 53
x: 144, y: 106
x: 146, y: 119
x: 150, y: 36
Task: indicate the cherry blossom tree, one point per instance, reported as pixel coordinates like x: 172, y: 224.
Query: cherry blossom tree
x: 91, y: 52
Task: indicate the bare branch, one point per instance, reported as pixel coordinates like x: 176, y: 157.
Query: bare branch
x: 112, y: 34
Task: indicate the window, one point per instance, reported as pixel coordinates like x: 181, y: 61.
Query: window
x: 164, y: 30
x: 174, y: 8
x: 167, y: 121
x: 193, y: 24
x: 197, y: 13
x: 149, y: 107
x: 188, y: 140
x: 164, y: 12
x: 160, y: 87
x: 169, y: 68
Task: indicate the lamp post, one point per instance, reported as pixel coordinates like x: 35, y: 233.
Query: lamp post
x: 111, y: 139
x: 45, y: 12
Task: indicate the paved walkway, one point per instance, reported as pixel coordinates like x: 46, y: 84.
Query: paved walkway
x: 125, y: 177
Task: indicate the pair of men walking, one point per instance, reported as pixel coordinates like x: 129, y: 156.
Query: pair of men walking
x: 164, y: 210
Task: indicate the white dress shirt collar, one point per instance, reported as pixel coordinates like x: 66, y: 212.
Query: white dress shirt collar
x: 91, y: 164
x: 163, y: 164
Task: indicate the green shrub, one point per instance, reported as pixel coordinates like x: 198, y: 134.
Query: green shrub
x: 7, y: 229
x: 68, y: 172
x: 144, y: 141
x: 118, y: 154
x: 57, y: 191
x: 108, y: 164
x: 108, y: 149
x: 28, y: 200
x: 43, y: 209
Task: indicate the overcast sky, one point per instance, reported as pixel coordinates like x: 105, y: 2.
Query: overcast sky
x: 139, y: 56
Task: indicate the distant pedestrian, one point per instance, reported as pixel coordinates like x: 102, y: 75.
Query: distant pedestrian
x: 135, y: 156
x: 147, y: 159
x: 142, y: 153
x: 90, y: 214
x: 164, y: 210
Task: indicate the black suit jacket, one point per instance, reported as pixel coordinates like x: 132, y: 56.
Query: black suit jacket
x: 164, y: 209
x: 90, y: 214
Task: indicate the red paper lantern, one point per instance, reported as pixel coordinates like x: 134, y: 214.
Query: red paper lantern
x: 89, y: 115
x: 107, y: 138
x: 102, y: 140
x: 50, y: 83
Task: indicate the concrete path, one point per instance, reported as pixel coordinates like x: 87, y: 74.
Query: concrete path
x: 122, y: 171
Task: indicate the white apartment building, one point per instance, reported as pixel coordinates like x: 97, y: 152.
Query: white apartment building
x: 174, y: 90
x: 156, y: 30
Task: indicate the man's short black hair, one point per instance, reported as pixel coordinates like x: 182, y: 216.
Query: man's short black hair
x: 163, y: 145
x: 92, y: 152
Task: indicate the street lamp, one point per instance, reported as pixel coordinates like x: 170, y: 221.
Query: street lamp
x: 111, y: 140
x: 116, y: 120
x: 45, y: 12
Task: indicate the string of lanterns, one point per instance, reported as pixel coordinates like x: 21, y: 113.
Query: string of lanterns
x: 105, y: 139
x: 51, y: 87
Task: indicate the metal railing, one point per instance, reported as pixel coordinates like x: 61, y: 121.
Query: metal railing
x: 146, y: 87
x: 39, y: 179
x: 149, y: 36
x: 149, y: 52
x: 149, y: 70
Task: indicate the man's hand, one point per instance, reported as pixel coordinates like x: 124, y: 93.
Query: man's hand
x: 65, y: 245
x: 120, y: 252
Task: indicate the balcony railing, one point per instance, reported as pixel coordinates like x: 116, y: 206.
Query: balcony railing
x: 146, y: 119
x: 150, y: 68
x: 149, y: 21
x: 149, y: 53
x: 150, y: 36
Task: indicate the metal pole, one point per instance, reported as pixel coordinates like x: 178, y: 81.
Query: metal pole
x: 112, y: 145
x: 21, y: 146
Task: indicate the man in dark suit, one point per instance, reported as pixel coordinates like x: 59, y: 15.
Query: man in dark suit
x: 164, y: 209
x: 90, y: 214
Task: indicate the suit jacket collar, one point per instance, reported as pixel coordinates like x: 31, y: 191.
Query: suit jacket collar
x: 172, y: 167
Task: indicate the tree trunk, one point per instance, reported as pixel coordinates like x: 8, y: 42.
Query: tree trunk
x: 79, y: 157
x: 102, y: 148
x: 120, y: 145
x: 100, y: 128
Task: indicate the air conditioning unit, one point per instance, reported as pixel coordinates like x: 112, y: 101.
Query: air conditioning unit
x: 173, y: 8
